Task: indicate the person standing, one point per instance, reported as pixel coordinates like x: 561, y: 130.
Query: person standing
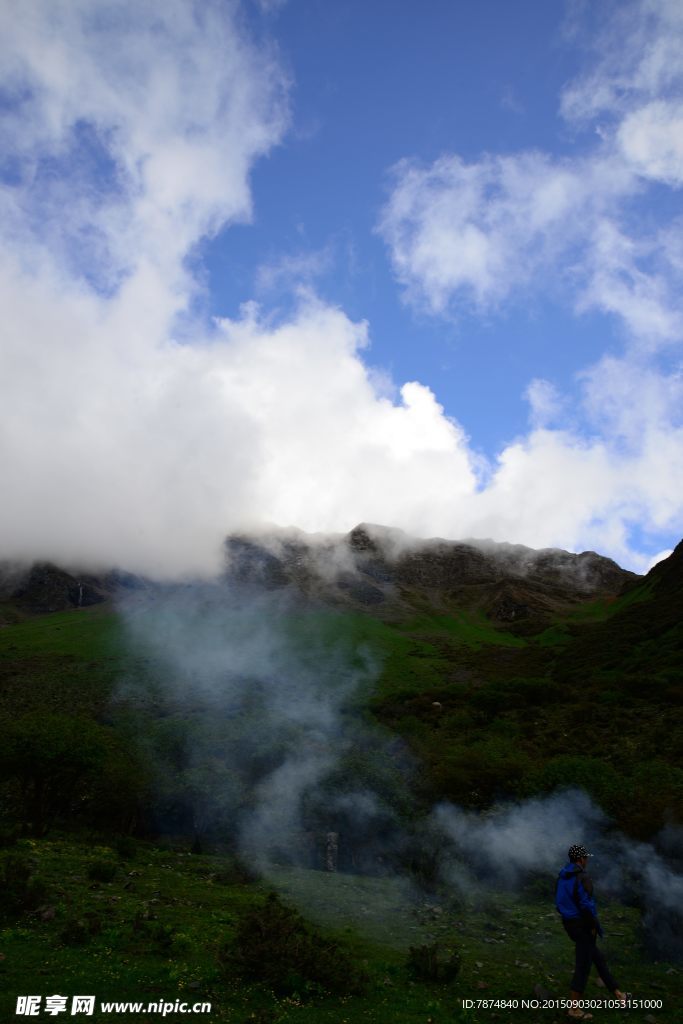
x: 576, y: 904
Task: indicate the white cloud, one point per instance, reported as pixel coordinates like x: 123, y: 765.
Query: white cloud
x: 659, y: 557
x: 457, y: 230
x: 590, y: 492
x: 546, y: 404
x: 634, y: 279
x: 292, y: 271
x: 145, y: 452
x: 625, y: 398
x: 132, y: 128
x: 120, y: 445
x: 635, y: 56
x: 463, y: 234
x: 651, y: 141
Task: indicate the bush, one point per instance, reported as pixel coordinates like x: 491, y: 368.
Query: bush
x: 75, y: 933
x: 102, y: 870
x: 48, y: 756
x: 657, y: 795
x: 162, y: 936
x: 431, y: 964
x: 79, y: 930
x: 126, y: 847
x: 9, y: 836
x: 20, y: 888
x: 600, y: 780
x: 274, y: 945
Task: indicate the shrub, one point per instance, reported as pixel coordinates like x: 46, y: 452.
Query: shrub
x: 125, y: 847
x: 78, y: 931
x: 9, y: 836
x: 162, y: 936
x: 432, y: 964
x: 102, y: 870
x: 49, y: 755
x: 600, y: 780
x: 20, y: 888
x: 75, y: 932
x: 264, y: 1015
x: 274, y: 945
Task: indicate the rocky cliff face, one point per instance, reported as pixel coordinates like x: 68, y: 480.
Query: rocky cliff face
x: 374, y: 569
x: 384, y: 569
x: 43, y: 587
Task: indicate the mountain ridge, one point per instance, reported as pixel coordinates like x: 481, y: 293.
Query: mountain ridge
x: 388, y: 573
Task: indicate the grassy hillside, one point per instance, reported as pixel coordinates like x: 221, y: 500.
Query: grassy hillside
x: 155, y: 928
x: 595, y: 699
x: 458, y: 706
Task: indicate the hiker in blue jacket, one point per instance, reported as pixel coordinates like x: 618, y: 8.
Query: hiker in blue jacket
x: 574, y: 901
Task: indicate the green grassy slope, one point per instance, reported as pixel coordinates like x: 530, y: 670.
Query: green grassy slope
x: 154, y: 931
x: 594, y: 699
x: 67, y: 661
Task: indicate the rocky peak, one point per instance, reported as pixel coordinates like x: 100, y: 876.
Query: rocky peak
x: 383, y: 567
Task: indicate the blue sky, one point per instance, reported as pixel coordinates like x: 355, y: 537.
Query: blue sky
x: 369, y: 90
x: 234, y: 234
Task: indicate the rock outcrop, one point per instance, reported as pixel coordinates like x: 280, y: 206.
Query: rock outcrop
x: 382, y: 570
x: 43, y: 587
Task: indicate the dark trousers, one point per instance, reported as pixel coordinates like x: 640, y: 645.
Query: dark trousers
x: 587, y: 953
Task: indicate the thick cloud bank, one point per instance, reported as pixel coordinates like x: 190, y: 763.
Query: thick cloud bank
x: 134, y: 433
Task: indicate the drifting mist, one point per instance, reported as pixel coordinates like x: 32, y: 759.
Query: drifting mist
x: 248, y: 707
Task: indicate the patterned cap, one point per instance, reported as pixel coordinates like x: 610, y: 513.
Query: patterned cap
x: 577, y: 852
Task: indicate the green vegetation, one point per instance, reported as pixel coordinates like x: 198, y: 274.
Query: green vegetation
x: 457, y: 708
x: 273, y: 944
x: 173, y: 925
x: 592, y: 700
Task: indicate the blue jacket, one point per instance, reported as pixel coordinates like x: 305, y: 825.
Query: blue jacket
x: 574, y: 894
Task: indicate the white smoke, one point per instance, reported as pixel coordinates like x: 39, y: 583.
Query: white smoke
x: 530, y: 836
x: 512, y: 843
x: 258, y: 685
